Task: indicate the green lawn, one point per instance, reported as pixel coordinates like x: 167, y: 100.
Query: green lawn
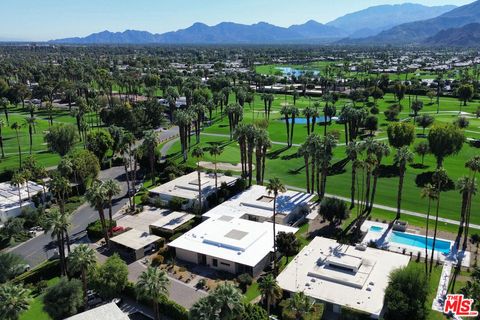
x: 36, y: 312
x: 285, y: 164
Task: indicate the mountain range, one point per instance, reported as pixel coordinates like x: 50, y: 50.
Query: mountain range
x: 386, y: 24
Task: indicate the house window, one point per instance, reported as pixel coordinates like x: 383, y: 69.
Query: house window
x: 215, y: 262
x: 225, y: 264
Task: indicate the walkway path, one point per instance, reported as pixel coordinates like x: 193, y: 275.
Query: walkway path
x: 392, y: 209
x: 442, y: 290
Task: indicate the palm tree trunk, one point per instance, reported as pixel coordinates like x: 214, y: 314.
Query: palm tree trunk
x: 307, y: 173
x: 399, y: 195
x: 274, y: 235
x: 200, y: 207
x: 426, y: 235
x: 84, y: 282
x: 110, y: 216
x: 352, y: 187
x: 435, y: 231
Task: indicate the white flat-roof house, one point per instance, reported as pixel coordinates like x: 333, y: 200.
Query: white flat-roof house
x: 186, y: 187
x: 230, y: 244
x: 257, y: 205
x: 109, y: 311
x: 135, y: 244
x: 342, y: 275
x: 10, y: 200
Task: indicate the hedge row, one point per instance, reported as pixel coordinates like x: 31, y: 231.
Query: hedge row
x: 45, y: 271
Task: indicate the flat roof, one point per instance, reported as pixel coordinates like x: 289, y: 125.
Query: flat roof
x: 232, y: 239
x: 144, y: 219
x: 109, y: 311
x: 9, y: 199
x: 257, y: 202
x: 173, y: 220
x: 186, y: 187
x: 341, y: 274
x: 135, y: 239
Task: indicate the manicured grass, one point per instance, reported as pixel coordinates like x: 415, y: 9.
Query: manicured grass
x: 36, y: 312
x: 285, y: 163
x: 252, y: 292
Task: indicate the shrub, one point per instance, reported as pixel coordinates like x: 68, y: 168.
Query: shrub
x: 228, y: 173
x: 334, y: 210
x: 45, y: 271
x: 244, y: 280
x: 172, y: 309
x: 391, y: 114
x: 95, y: 231
x: 41, y: 286
x: 475, y: 238
x: 352, y: 314
x: 64, y: 299
x: 157, y: 260
x: 175, y: 204
x: 201, y: 283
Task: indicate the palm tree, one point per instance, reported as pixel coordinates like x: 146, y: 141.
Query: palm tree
x: 430, y: 193
x: 16, y: 126
x: 198, y: 153
x: 474, y: 166
x: 203, y: 309
x: 275, y: 186
x: 329, y: 111
x: 96, y: 195
x: 30, y: 122
x: 271, y: 291
x: 353, y: 150
x: 293, y: 112
x: 4, y: 103
x: 60, y: 188
x: 17, y: 181
x: 2, y: 124
x: 59, y: 224
x: 153, y: 284
x: 150, y: 143
x: 215, y: 150
x: 402, y: 157
x: 286, y: 111
x: 82, y: 259
x: 14, y: 299
x: 263, y: 143
x: 112, y: 189
x: 308, y: 113
x: 300, y: 304
x: 381, y: 150
x: 228, y: 300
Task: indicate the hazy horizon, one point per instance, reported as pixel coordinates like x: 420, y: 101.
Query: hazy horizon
x: 30, y: 20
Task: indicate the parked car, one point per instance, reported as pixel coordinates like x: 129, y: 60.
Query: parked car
x: 93, y: 299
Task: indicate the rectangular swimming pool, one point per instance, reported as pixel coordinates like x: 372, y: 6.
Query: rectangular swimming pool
x: 376, y: 229
x: 414, y: 240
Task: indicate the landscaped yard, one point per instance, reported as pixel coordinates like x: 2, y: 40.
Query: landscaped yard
x: 36, y: 312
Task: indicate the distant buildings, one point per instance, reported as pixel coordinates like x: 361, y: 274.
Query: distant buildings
x: 341, y: 275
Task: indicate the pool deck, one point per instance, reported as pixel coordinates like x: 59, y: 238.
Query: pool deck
x: 381, y: 239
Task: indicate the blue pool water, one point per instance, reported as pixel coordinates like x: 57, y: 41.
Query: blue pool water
x: 376, y: 229
x: 288, y: 71
x: 419, y: 241
x: 304, y: 120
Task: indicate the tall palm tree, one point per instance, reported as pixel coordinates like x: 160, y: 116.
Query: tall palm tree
x: 271, y: 291
x: 59, y: 224
x: 112, y: 189
x: 293, y: 113
x: 215, y: 150
x: 300, y: 304
x: 203, y: 309
x: 4, y: 103
x: 308, y: 113
x: 153, y: 284
x: 474, y: 166
x: 286, y: 111
x: 60, y: 188
x: 17, y: 181
x: 96, y: 195
x: 329, y: 111
x: 381, y: 150
x: 198, y: 153
x: 16, y: 127
x: 430, y: 193
x: 82, y: 259
x: 30, y: 122
x: 402, y: 157
x: 275, y: 186
x: 2, y: 124
x: 251, y: 134
x: 14, y: 299
x: 262, y: 144
x: 150, y: 143
x: 228, y: 300
x: 466, y: 186
x: 440, y: 178
x: 353, y: 150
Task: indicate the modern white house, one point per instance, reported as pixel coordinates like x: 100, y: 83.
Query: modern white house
x: 342, y: 276
x: 10, y: 200
x: 256, y: 204
x: 186, y: 187
x: 135, y: 244
x: 228, y: 243
x: 109, y: 311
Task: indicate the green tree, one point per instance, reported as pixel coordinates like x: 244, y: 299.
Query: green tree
x: 225, y: 303
x: 465, y: 93
x: 440, y: 179
x: 96, y: 195
x: 112, y: 189
x: 299, y: 305
x: 61, y: 138
x: 271, y: 291
x: 2, y: 125
x: 111, y: 277
x: 275, y: 186
x: 59, y: 224
x: 30, y: 122
x: 445, y: 140
x: 17, y: 181
x: 406, y: 294
x: 215, y: 150
x: 82, y: 259
x: 150, y: 144
x: 430, y: 193
x: 422, y: 149
x: 64, y: 299
x: 11, y: 265
x: 287, y: 244
x: 99, y: 142
x: 425, y: 121
x: 198, y: 154
x: 14, y: 299
x: 334, y: 210
x: 417, y: 105
x: 401, y: 134
x: 153, y: 285
x: 402, y: 158
x: 16, y: 127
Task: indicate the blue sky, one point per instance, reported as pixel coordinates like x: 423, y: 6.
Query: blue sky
x: 51, y: 19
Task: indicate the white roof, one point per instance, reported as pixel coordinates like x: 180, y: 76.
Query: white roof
x: 109, y: 311
x: 186, y: 187
x: 173, y: 220
x: 135, y: 239
x: 232, y: 239
x: 9, y: 199
x: 144, y: 219
x: 257, y: 202
x: 342, y: 275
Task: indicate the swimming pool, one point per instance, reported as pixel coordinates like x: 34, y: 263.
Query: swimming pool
x: 301, y: 120
x: 419, y: 241
x: 376, y: 229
